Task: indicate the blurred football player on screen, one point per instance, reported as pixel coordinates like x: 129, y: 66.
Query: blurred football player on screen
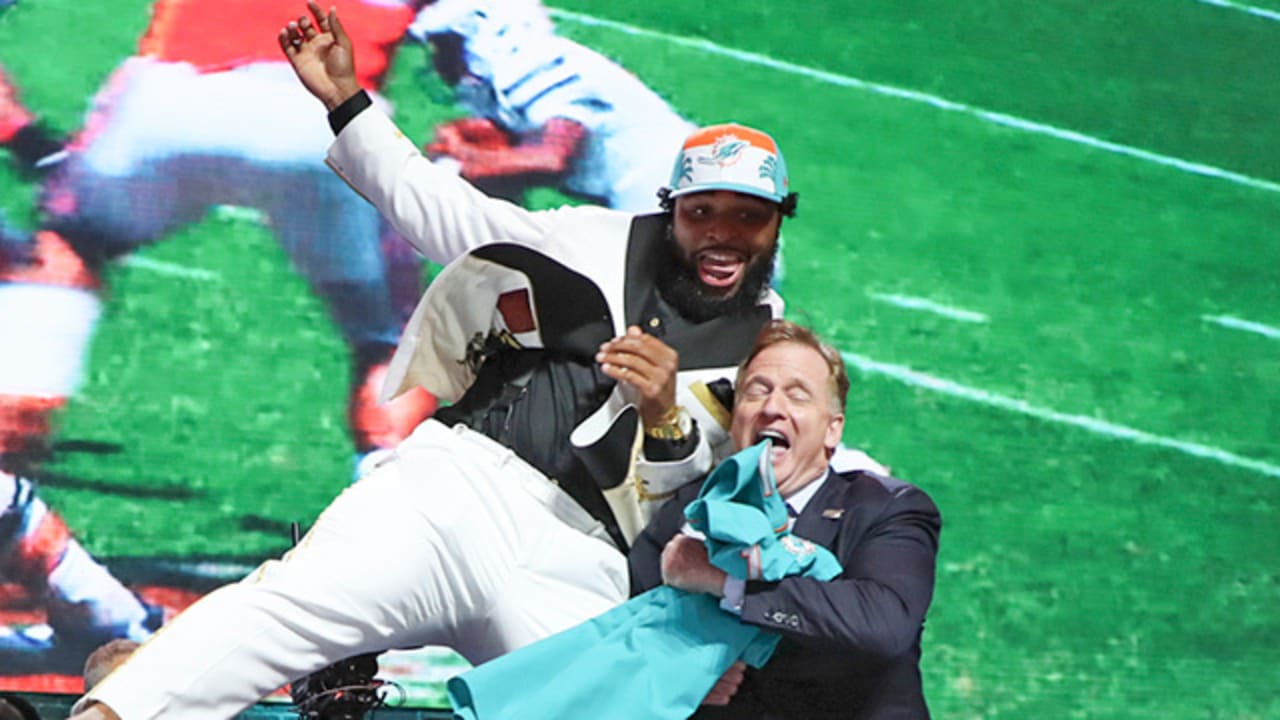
x: 166, y: 139
x: 544, y: 110
x: 84, y: 604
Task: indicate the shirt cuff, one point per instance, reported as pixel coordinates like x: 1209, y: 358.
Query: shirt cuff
x: 348, y: 110
x: 735, y: 590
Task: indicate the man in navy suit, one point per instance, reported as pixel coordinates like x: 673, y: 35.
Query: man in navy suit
x: 851, y: 646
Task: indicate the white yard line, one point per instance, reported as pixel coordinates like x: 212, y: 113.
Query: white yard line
x: 211, y: 569
x: 936, y: 101
x: 239, y: 213
x: 172, y: 269
x: 1093, y: 425
x: 226, y: 213
x: 1251, y: 9
x: 927, y: 305
x: 1236, y: 323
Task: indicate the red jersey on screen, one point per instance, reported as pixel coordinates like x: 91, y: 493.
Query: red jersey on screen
x: 183, y: 31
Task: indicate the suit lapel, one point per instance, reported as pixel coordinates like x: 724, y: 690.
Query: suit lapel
x: 820, y: 519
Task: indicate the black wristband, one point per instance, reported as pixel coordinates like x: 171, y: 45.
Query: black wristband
x: 340, y: 116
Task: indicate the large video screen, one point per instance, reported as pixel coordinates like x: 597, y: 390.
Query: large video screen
x: 1046, y: 237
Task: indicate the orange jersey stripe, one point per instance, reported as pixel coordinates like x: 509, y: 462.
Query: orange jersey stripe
x: 182, y: 31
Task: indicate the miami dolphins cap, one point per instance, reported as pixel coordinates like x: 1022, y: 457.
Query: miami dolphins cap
x: 730, y: 157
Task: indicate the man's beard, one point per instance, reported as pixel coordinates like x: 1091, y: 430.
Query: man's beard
x: 681, y: 287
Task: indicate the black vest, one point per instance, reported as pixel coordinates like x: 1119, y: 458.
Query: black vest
x: 530, y: 400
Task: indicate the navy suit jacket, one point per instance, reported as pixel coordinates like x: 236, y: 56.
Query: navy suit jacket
x: 851, y: 646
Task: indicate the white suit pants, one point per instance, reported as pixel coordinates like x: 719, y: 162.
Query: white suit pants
x: 455, y: 541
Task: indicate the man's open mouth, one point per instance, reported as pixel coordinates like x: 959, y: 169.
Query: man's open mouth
x: 720, y: 268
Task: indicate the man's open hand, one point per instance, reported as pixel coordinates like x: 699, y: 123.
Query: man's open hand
x: 647, y: 364
x: 320, y: 52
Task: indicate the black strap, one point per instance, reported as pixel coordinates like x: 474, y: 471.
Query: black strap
x: 342, y: 115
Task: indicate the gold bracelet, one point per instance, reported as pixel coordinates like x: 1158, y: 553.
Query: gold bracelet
x: 671, y: 416
x: 674, y: 425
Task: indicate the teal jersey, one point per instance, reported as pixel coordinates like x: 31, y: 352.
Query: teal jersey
x: 657, y: 655
x: 744, y: 520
